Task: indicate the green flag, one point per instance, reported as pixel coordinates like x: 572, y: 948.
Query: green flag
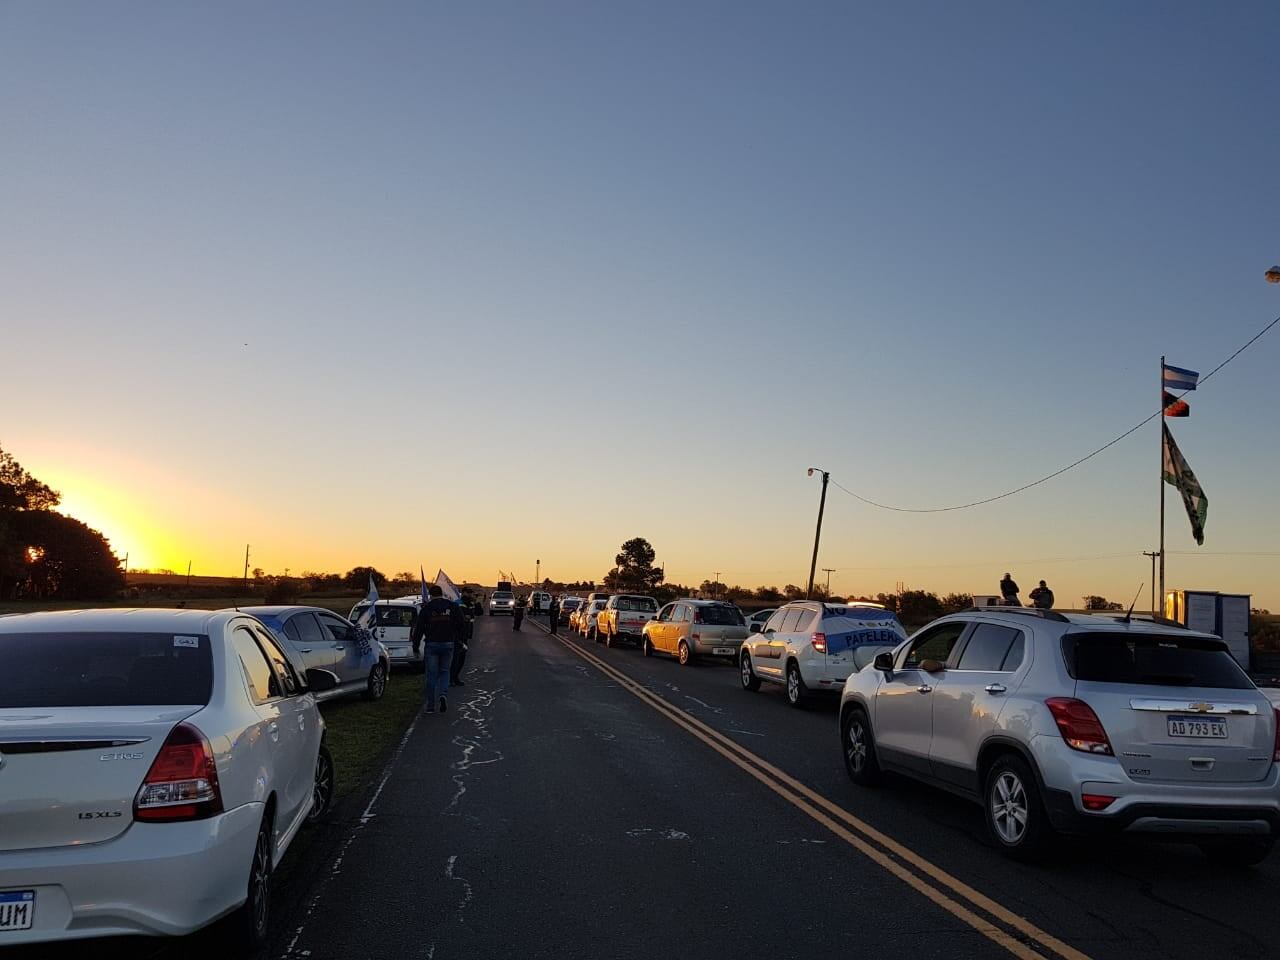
x: 1178, y: 473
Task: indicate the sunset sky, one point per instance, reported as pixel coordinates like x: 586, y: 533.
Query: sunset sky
x: 471, y: 285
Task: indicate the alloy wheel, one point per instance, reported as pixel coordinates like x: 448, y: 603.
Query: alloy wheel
x: 1009, y: 807
x: 746, y: 670
x: 793, y: 685
x: 260, y: 882
x: 855, y: 748
x: 322, y: 789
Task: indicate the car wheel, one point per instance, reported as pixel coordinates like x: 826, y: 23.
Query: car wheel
x: 797, y: 692
x: 1016, y: 818
x: 1238, y: 852
x: 377, y: 682
x: 749, y: 679
x: 684, y: 654
x: 859, y: 748
x: 646, y: 647
x: 247, y: 928
x: 322, y: 789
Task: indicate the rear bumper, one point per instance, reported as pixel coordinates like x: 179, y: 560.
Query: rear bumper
x: 402, y: 653
x: 155, y: 879
x: 1170, y: 809
x: 708, y: 648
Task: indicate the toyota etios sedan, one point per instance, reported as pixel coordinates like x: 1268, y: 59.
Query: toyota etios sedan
x: 1075, y: 724
x: 155, y: 766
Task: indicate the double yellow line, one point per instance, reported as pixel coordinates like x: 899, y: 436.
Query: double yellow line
x: 997, y: 923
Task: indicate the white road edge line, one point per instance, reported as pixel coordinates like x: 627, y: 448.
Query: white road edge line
x: 336, y: 867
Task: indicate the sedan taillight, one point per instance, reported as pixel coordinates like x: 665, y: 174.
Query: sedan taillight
x: 182, y: 783
x: 1079, y: 725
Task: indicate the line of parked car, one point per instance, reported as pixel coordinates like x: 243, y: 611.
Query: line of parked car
x: 1053, y: 723
x: 185, y: 749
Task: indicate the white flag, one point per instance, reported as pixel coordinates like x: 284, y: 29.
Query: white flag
x: 447, y: 588
x: 369, y: 617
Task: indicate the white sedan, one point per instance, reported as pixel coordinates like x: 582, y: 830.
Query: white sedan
x: 154, y: 767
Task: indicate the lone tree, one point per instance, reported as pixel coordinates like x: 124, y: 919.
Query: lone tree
x: 358, y: 578
x: 633, y: 570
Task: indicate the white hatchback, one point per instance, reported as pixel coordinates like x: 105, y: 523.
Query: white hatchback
x: 154, y: 767
x: 394, y: 626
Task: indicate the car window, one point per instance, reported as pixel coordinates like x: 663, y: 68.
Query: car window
x: 309, y: 632
x: 1165, y: 660
x: 721, y: 615
x: 291, y: 630
x: 934, y: 643
x: 665, y: 615
x: 776, y: 621
x: 792, y: 618
x: 988, y: 647
x: 637, y: 604
x: 104, y: 669
x: 288, y: 678
x: 1013, y: 659
x: 257, y: 671
x: 337, y: 628
x: 805, y: 623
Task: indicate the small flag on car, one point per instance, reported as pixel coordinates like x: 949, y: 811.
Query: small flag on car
x: 364, y: 625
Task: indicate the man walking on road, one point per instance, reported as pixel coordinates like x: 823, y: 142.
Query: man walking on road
x: 553, y: 615
x: 437, y: 627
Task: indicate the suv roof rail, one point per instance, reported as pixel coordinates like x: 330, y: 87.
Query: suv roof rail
x: 1021, y: 611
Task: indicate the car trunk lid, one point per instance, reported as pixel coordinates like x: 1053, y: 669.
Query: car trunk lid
x: 69, y: 775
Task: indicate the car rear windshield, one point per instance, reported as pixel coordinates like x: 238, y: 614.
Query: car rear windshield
x: 570, y: 602
x: 721, y: 615
x: 638, y: 604
x: 503, y: 595
x: 104, y: 669
x: 397, y: 616
x: 1152, y: 660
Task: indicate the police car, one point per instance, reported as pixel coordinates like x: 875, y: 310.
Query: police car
x: 810, y: 646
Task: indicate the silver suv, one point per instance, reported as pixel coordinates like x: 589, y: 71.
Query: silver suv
x: 1074, y: 724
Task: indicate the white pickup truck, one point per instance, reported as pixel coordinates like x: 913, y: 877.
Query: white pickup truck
x: 624, y: 617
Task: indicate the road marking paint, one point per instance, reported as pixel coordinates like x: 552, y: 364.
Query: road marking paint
x: 823, y: 810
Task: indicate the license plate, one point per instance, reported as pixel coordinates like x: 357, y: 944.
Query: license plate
x: 17, y: 908
x: 1198, y: 728
x: 722, y: 651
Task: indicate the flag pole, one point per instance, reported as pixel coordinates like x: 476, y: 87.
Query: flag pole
x: 1160, y: 612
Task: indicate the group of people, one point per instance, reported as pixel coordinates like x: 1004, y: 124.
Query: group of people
x: 1041, y: 597
x: 442, y: 629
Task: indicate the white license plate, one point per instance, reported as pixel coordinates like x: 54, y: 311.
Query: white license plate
x: 1198, y: 728
x: 722, y: 651
x: 17, y: 908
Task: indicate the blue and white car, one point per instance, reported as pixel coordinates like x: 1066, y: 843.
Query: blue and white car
x: 809, y: 646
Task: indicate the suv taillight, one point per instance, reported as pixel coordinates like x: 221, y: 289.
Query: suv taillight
x: 182, y: 783
x: 820, y: 642
x: 1079, y: 725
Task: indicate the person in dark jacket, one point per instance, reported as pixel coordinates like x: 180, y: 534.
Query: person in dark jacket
x: 1009, y: 591
x: 437, y: 628
x: 460, y: 648
x: 553, y: 615
x: 517, y: 614
x: 1042, y: 597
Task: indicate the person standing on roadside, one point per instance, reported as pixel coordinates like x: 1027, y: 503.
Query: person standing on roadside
x: 1009, y: 591
x: 437, y: 628
x: 1042, y: 597
x: 553, y: 615
x: 517, y: 614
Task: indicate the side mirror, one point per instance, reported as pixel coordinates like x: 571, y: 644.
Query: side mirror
x: 883, y: 661
x: 319, y: 681
x: 932, y: 666
x: 757, y: 627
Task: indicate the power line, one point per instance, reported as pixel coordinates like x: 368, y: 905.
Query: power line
x: 1071, y: 466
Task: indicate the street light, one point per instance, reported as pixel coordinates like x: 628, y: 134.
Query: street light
x: 1273, y: 275
x: 822, y: 504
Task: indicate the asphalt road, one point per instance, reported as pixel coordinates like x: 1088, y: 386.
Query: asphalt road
x: 559, y: 809
x: 583, y: 802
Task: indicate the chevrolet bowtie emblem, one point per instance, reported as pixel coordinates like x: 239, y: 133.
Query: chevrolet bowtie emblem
x: 1200, y: 707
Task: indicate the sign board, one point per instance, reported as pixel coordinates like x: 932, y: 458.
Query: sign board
x: 1233, y: 625
x: 1201, y: 611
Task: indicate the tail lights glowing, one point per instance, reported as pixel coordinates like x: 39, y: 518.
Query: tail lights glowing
x: 819, y: 642
x: 182, y: 783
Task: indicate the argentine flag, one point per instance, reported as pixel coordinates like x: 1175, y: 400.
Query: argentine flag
x: 1176, y: 378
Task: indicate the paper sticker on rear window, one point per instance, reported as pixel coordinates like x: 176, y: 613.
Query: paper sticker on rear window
x: 186, y: 641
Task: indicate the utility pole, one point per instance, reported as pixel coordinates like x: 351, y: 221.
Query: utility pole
x: 188, y: 576
x: 1160, y: 475
x: 1153, y: 554
x: 828, y: 571
x: 715, y: 586
x: 537, y: 575
x: 817, y: 537
x: 126, y: 567
x: 246, y: 567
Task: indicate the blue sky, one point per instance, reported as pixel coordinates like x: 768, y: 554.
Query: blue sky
x: 520, y: 281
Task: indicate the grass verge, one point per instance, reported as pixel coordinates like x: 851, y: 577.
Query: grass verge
x: 361, y: 734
